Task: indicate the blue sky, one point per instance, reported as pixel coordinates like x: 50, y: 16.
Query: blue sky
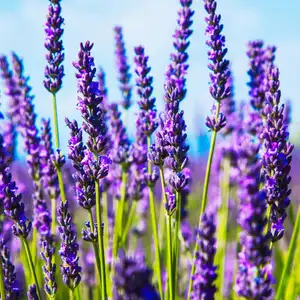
x: 151, y: 23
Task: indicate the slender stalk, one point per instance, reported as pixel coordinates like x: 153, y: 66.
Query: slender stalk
x: 162, y: 219
x: 2, y: 286
x: 290, y: 259
x: 106, y: 237
x: 205, y: 190
x: 71, y: 294
x: 122, y: 202
x: 176, y: 235
x: 128, y: 223
x: 55, y: 121
x: 100, y: 242
x: 53, y: 215
x: 170, y: 259
x: 98, y: 264
x: 222, y: 228
x: 59, y: 172
x: 34, y: 245
x: 115, y: 241
x: 105, y: 217
x: 31, y: 266
x: 157, y: 263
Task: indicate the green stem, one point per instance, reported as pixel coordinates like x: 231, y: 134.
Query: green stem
x: 71, y: 294
x: 122, y: 202
x: 115, y: 240
x: 98, y: 264
x: 176, y: 235
x: 53, y: 215
x: 105, y: 217
x: 170, y: 259
x: 34, y: 245
x: 100, y: 242
x: 128, y: 223
x: 205, y: 191
x: 157, y: 264
x: 31, y: 266
x: 222, y: 228
x: 106, y: 237
x: 2, y: 286
x: 55, y: 121
x: 290, y: 259
x: 162, y: 218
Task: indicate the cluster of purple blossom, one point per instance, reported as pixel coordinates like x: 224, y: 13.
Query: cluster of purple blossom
x: 114, y: 179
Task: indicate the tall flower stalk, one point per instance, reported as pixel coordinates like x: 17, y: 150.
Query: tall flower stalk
x: 54, y: 73
x: 14, y: 209
x: 42, y: 218
x: 276, y: 158
x: 124, y: 75
x: 254, y: 275
x: 146, y: 125
x: 94, y: 165
x: 219, y: 90
x: 206, y: 272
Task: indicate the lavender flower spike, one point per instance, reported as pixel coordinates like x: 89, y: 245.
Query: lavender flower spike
x: 89, y: 103
x: 205, y: 275
x: 133, y: 279
x: 54, y: 71
x: 123, y: 68
x: 12, y: 91
x: 49, y: 268
x: 254, y: 276
x: 177, y: 70
x: 277, y: 157
x: 13, y: 205
x: 219, y: 66
x: 70, y: 269
x: 146, y: 120
x: 32, y: 293
x: 11, y: 288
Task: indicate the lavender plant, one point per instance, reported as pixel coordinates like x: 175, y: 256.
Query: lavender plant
x: 125, y: 251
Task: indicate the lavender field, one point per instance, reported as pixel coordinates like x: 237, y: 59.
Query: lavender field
x: 140, y: 195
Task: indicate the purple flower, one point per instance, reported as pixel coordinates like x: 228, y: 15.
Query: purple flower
x: 170, y: 204
x: 70, y: 269
x: 12, y: 201
x: 132, y: 279
x: 9, y: 273
x: 253, y: 279
x: 49, y: 268
x: 89, y: 269
x: 102, y: 88
x: 172, y: 136
x: 32, y: 293
x: 146, y: 120
x: 219, y: 66
x: 228, y: 110
x: 9, y: 135
x: 260, y: 60
x: 205, y: 274
x: 54, y: 71
x: 177, y: 70
x: 123, y: 68
x: 121, y: 152
x: 89, y: 100
x: 277, y: 157
x: 12, y: 91
x: 28, y: 127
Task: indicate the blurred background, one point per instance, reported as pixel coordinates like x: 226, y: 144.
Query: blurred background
x: 151, y: 23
